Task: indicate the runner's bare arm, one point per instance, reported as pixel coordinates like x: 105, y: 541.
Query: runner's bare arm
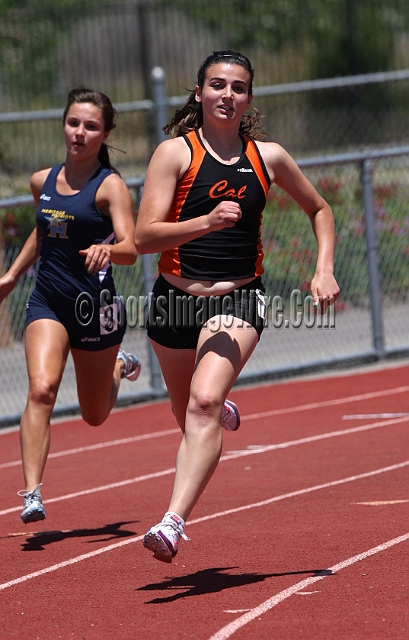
x: 286, y: 174
x: 113, y: 199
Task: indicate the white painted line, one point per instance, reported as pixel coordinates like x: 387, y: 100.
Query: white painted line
x: 68, y: 563
x: 231, y: 628
x: 105, y: 487
x: 236, y: 610
x: 380, y: 503
x: 328, y: 403
x: 322, y: 436
x: 101, y: 445
x: 300, y: 492
x: 117, y: 545
x: 228, y: 456
x: 368, y: 416
x: 253, y: 416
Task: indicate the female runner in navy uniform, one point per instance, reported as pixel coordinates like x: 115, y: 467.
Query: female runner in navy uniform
x: 82, y: 206
x: 202, y: 205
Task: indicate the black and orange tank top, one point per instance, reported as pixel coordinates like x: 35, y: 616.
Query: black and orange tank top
x: 231, y: 253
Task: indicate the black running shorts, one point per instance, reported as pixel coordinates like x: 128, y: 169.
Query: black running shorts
x: 175, y: 318
x: 91, y: 326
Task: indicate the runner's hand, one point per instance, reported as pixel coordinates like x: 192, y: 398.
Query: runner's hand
x: 324, y: 291
x: 226, y: 214
x: 97, y: 257
x: 7, y: 284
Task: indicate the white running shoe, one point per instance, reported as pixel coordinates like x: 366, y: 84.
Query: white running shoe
x: 230, y: 416
x: 132, y: 364
x: 163, y: 539
x: 33, y: 509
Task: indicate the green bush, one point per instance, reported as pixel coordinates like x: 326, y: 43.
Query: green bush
x: 290, y: 247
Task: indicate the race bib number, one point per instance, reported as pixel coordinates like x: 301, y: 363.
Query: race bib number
x: 108, y: 318
x: 261, y: 304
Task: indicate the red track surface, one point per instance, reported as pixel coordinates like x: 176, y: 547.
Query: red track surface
x: 303, y: 531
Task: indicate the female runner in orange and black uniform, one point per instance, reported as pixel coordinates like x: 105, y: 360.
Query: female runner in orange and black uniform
x: 203, y: 198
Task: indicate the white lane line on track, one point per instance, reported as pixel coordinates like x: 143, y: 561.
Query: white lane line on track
x: 253, y: 416
x: 328, y: 403
x: 381, y: 503
x: 369, y: 416
x: 231, y: 628
x: 105, y: 487
x: 220, y: 514
x: 322, y: 436
x: 229, y: 456
x: 100, y: 445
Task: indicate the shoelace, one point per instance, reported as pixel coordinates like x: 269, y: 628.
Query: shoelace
x: 24, y: 492
x: 176, y: 528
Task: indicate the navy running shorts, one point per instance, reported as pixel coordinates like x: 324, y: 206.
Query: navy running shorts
x: 90, y: 326
x: 175, y: 318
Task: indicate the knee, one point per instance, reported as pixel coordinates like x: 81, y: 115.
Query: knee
x: 93, y: 418
x: 42, y: 391
x: 205, y: 407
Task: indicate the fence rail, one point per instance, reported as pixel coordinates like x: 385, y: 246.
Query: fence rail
x: 158, y: 77
x: 368, y: 191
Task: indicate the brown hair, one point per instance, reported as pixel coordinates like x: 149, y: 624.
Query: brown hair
x: 190, y: 115
x: 83, y: 94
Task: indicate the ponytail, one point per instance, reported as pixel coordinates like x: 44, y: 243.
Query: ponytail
x: 103, y: 157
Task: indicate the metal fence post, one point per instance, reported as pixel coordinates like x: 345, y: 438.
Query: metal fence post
x: 148, y: 282
x: 160, y: 108
x: 160, y: 102
x: 372, y: 255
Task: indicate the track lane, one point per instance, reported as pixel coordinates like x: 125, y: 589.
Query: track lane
x: 217, y: 573
x: 232, y: 454
x: 221, y: 514
x: 248, y: 617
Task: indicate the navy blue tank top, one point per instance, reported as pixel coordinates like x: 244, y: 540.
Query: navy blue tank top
x: 69, y: 223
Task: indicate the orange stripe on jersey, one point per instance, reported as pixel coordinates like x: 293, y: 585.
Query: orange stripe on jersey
x: 170, y: 260
x: 253, y: 155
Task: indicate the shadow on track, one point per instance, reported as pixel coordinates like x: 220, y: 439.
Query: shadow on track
x: 38, y: 540
x: 213, y: 581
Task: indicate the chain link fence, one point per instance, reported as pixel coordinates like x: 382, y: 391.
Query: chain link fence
x: 368, y: 194
x: 112, y: 45
x: 325, y: 85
